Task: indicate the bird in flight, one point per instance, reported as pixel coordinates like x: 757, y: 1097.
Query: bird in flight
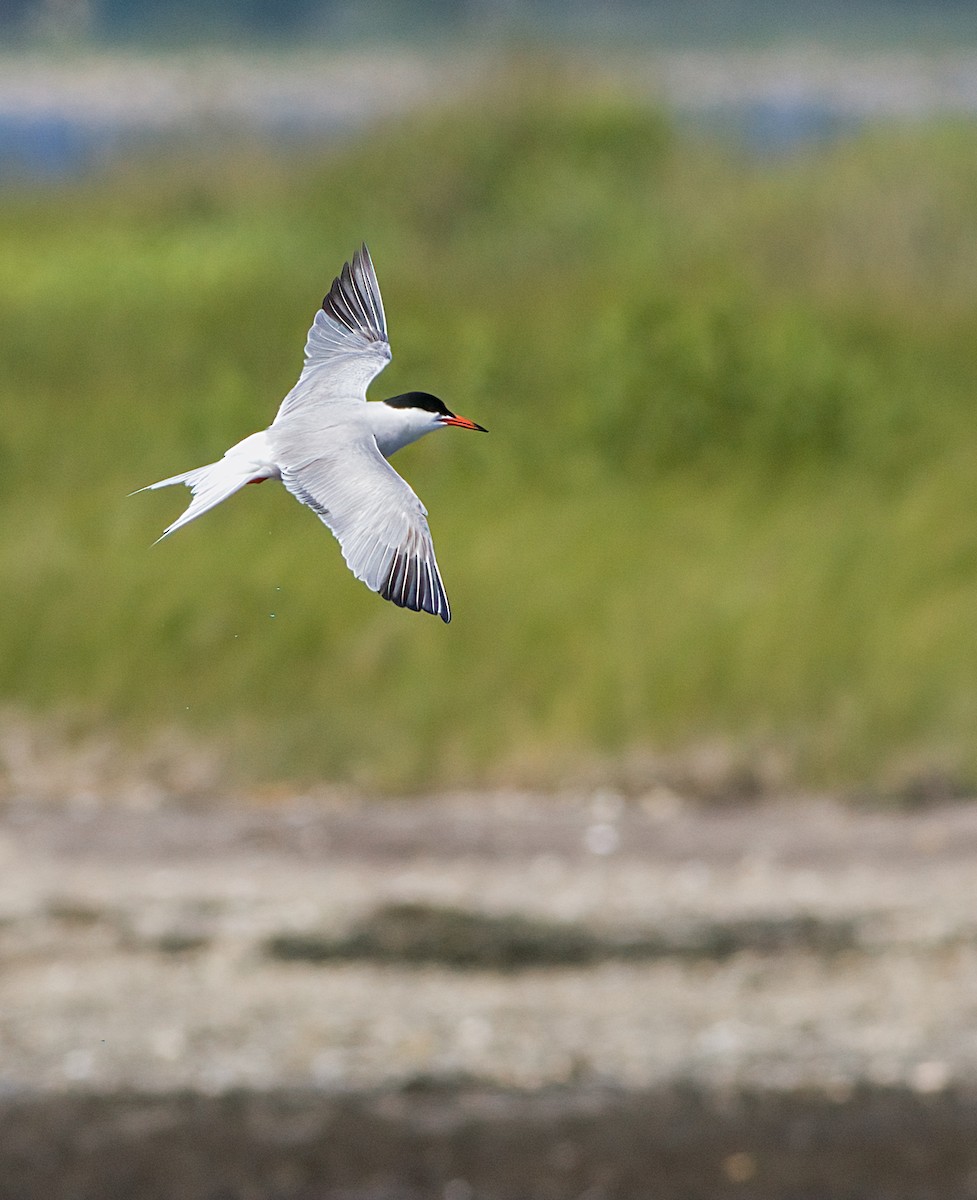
x: 329, y: 447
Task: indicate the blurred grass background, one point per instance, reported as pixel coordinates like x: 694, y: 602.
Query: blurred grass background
x: 729, y: 490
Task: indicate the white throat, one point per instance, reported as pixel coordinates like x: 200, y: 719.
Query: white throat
x: 395, y: 428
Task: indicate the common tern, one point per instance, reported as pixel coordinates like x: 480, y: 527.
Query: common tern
x: 329, y: 447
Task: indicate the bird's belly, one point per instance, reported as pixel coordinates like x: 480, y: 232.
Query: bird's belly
x: 255, y: 457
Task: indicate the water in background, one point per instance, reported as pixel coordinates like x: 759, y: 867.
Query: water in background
x: 60, y: 118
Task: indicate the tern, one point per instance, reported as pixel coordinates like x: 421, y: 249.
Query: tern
x: 329, y: 447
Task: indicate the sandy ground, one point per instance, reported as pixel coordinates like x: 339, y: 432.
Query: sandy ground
x: 611, y: 964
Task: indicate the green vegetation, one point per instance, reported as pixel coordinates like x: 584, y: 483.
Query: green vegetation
x: 730, y: 488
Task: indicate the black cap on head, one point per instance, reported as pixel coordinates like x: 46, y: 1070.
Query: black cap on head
x: 422, y: 400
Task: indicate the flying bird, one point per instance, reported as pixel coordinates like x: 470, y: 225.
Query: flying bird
x: 329, y: 447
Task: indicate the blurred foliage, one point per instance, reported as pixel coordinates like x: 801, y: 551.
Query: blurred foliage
x: 729, y: 488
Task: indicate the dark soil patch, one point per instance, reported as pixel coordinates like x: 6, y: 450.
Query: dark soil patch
x: 466, y: 1142
x: 421, y: 933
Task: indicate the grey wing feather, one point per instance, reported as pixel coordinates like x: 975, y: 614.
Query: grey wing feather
x: 378, y: 521
x: 347, y: 346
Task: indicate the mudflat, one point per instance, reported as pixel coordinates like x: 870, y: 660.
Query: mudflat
x: 506, y: 993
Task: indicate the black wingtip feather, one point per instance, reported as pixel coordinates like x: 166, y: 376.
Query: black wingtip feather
x: 406, y: 586
x: 350, y: 301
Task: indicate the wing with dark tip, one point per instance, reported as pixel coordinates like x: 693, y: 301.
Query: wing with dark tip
x: 347, y: 346
x: 379, y: 522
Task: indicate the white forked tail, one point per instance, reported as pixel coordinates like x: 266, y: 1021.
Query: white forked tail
x: 243, y: 463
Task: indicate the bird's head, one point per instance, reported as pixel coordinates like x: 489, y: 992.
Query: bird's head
x: 431, y: 411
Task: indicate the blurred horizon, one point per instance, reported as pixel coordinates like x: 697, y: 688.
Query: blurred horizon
x: 83, y: 82
x: 64, y: 114
x: 341, y: 24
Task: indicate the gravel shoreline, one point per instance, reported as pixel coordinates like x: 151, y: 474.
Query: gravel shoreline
x: 783, y: 946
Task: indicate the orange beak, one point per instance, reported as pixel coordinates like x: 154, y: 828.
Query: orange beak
x: 463, y: 423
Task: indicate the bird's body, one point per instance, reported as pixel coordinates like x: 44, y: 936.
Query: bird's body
x: 329, y: 447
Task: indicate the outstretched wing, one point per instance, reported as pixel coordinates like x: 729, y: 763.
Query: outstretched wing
x: 377, y: 519
x: 347, y: 346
